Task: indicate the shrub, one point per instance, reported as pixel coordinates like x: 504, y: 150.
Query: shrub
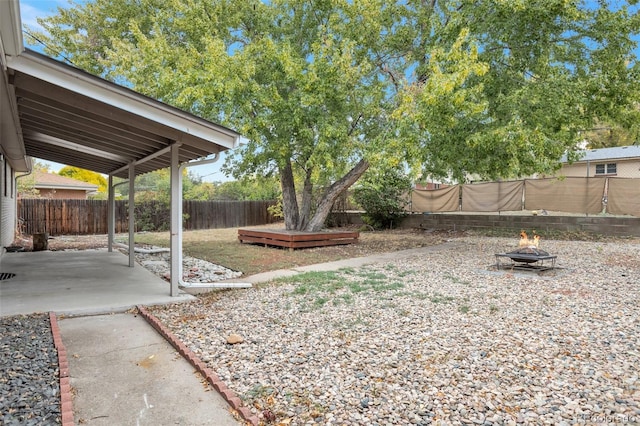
x: 383, y: 197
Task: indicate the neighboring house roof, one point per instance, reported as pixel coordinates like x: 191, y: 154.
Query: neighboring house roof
x: 54, y: 181
x: 602, y: 154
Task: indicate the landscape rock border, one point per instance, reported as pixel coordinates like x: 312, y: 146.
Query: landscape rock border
x: 66, y: 397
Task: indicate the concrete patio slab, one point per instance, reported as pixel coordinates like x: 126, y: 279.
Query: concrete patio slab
x: 78, y: 283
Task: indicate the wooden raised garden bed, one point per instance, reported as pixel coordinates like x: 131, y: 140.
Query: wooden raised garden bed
x: 296, y: 239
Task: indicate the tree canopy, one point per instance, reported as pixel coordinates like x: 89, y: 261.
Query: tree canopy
x: 155, y: 186
x: 607, y: 135
x: 326, y: 89
x: 85, y: 176
x: 26, y: 184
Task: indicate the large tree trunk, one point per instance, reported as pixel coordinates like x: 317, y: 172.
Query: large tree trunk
x: 307, y: 198
x: 324, y: 208
x: 289, y: 201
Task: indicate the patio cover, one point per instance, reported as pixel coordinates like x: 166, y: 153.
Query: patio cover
x: 57, y: 112
x: 71, y: 117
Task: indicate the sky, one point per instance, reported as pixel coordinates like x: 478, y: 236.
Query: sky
x: 30, y: 10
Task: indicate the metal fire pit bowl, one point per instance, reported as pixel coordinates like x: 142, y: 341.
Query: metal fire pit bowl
x: 528, y: 258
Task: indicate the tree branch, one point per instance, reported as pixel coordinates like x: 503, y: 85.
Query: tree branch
x: 334, y: 191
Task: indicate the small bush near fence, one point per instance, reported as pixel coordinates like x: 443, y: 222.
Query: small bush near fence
x: 78, y: 217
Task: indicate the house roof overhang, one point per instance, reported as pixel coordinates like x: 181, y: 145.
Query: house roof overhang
x: 620, y: 153
x: 71, y: 117
x: 11, y: 144
x: 70, y: 187
x: 45, y: 180
x: 56, y: 112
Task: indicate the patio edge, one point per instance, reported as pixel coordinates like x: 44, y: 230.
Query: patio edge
x: 66, y: 401
x: 212, y: 378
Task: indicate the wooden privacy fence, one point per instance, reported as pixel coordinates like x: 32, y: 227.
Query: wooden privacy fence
x: 78, y: 217
x: 227, y: 214
x: 60, y: 217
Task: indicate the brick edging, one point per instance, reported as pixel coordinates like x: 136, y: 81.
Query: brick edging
x: 232, y: 399
x: 66, y: 404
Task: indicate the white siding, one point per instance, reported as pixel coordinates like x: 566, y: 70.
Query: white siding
x: 626, y: 168
x: 7, y: 205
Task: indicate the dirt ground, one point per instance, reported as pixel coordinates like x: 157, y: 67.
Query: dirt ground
x: 66, y: 242
x: 370, y: 241
x: 221, y: 246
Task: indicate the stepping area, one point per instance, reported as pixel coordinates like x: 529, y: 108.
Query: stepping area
x: 124, y: 372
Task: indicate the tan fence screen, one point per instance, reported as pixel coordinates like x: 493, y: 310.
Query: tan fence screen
x: 571, y: 194
x: 436, y: 200
x: 623, y: 196
x: 492, y: 196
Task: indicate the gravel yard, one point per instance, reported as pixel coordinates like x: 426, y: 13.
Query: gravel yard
x: 29, y: 384
x: 441, y: 337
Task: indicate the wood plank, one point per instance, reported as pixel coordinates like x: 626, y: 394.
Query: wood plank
x: 297, y: 244
x: 318, y: 243
x: 267, y: 241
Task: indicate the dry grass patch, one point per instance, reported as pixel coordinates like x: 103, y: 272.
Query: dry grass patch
x: 221, y: 246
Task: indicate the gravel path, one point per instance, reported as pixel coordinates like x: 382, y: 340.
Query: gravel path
x: 439, y: 338
x: 194, y: 270
x: 29, y: 384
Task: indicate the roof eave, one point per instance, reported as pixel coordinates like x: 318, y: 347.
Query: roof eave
x: 11, y: 45
x: 10, y: 22
x: 81, y: 82
x: 71, y: 187
x: 591, y: 160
